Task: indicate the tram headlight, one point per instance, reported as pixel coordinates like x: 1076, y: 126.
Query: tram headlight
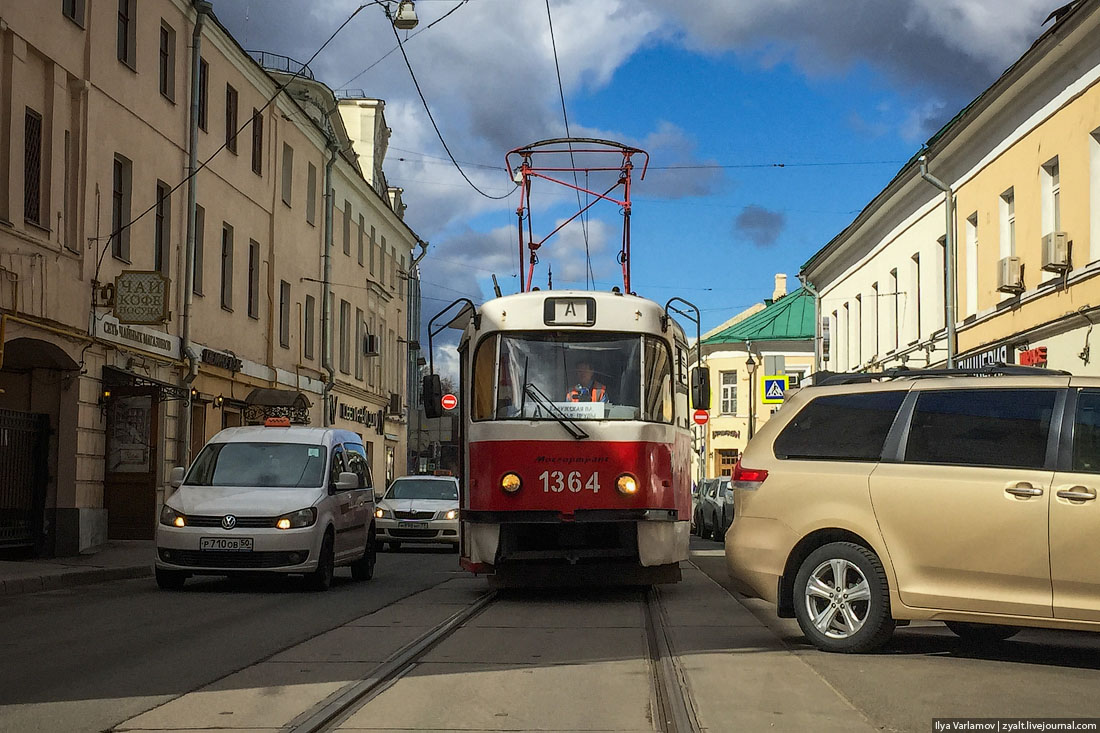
x: 511, y: 482
x: 626, y: 484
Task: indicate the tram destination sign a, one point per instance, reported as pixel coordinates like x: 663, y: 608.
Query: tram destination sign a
x: 569, y: 312
x: 141, y: 297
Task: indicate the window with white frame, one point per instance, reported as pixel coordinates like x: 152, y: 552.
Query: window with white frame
x: 1094, y: 195
x: 875, y: 311
x: 896, y: 324
x: 729, y: 392
x: 1007, y: 208
x: 1052, y: 194
x: 915, y: 300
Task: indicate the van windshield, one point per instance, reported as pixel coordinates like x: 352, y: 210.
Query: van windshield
x: 259, y: 465
x: 423, y: 489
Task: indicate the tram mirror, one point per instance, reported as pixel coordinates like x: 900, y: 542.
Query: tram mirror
x: 700, y: 388
x: 433, y: 396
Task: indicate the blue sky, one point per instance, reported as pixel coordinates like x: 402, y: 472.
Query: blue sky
x: 841, y: 92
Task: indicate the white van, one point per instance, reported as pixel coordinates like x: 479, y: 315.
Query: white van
x: 270, y: 499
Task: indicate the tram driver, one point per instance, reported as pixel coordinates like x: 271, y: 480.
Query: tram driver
x: 586, y: 388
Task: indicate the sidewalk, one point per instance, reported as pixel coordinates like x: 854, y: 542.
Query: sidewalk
x: 115, y: 561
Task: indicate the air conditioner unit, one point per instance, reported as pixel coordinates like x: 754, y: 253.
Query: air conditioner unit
x: 395, y: 404
x: 1055, y: 252
x: 1010, y: 275
x: 370, y: 345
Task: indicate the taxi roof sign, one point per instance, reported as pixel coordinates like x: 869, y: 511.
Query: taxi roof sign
x: 277, y: 422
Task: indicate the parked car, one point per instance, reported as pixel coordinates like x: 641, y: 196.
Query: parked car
x: 419, y: 509
x: 873, y: 500
x: 714, y: 511
x: 698, y: 506
x: 270, y: 499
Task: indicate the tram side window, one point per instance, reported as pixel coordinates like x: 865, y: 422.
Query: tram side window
x: 658, y: 382
x: 484, y: 366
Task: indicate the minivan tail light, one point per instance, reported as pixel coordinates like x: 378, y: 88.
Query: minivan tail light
x: 747, y: 478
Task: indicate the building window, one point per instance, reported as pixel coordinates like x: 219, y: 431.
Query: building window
x: 1008, y: 223
x: 393, y: 268
x: 32, y: 167
x: 359, y: 343
x: 284, y: 314
x: 253, y: 279
x: 120, y: 208
x: 876, y: 310
x: 858, y: 326
x: 916, y: 297
x: 972, y: 264
x: 74, y: 11
x: 311, y: 195
x: 1094, y: 195
x: 382, y: 262
x: 362, y: 225
x: 227, y: 267
x: 401, y: 276
x: 288, y: 173
x: 200, y: 243
x: 310, y: 318
x: 897, y: 308
x: 371, y: 245
x: 1052, y: 195
x: 257, y: 142
x: 69, y: 194
x: 204, y: 85
x: 230, y: 119
x: 347, y: 227
x: 167, y: 66
x: 729, y: 392
x: 162, y: 237
x: 345, y: 337
x: 847, y: 331
x: 831, y: 340
x: 127, y: 28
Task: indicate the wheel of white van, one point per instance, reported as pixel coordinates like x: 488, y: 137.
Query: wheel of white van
x: 842, y: 599
x: 170, y: 579
x: 321, y: 578
x: 363, y: 569
x: 981, y: 633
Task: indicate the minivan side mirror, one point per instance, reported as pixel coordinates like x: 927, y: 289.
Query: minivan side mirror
x: 433, y: 395
x: 175, y: 478
x: 700, y: 388
x: 347, y: 481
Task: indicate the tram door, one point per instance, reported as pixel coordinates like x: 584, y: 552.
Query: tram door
x: 130, y: 480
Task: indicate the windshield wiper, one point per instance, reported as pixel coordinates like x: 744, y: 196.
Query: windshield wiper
x: 570, y: 426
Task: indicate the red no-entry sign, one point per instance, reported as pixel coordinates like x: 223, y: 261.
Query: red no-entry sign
x: 700, y: 417
x: 449, y: 402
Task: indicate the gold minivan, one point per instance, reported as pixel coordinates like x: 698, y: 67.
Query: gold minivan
x: 876, y: 499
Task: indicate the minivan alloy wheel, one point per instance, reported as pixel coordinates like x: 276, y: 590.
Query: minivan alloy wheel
x: 838, y: 598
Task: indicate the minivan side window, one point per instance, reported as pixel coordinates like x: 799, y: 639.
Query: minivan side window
x: 981, y: 427
x: 337, y: 467
x: 357, y: 463
x: 1086, y: 433
x: 840, y: 427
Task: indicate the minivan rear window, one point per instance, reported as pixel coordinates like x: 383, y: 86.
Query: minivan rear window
x: 841, y: 427
x: 981, y: 427
x: 259, y: 465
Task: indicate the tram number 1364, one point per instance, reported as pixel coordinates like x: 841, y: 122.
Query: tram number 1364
x: 557, y: 481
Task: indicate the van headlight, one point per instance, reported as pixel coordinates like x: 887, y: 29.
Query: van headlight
x: 297, y: 520
x: 171, y: 517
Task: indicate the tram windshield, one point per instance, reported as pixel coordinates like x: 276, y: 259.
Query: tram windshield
x: 550, y: 376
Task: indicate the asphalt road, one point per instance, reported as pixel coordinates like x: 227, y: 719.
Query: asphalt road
x: 88, y: 658
x: 926, y: 672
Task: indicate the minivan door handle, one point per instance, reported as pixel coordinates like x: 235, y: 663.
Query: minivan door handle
x: 1023, y: 489
x: 1078, y: 493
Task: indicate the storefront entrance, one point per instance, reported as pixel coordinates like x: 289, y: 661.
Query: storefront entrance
x: 130, y: 473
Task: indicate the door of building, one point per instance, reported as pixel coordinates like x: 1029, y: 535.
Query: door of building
x: 24, y: 474
x: 130, y: 480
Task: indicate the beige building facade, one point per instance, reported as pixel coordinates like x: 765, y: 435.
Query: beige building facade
x: 95, y: 114
x: 1023, y: 165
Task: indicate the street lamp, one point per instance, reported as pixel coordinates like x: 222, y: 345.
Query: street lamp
x: 750, y: 367
x: 405, y: 19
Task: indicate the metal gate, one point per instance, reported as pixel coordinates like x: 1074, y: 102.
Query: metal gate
x: 24, y: 441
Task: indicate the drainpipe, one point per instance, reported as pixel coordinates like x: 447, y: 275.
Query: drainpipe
x: 819, y: 337
x: 949, y: 259
x: 326, y: 301
x: 202, y: 9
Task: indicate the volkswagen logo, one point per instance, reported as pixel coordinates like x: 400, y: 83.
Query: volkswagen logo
x: 229, y: 521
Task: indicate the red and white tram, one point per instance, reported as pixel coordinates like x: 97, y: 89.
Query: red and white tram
x: 575, y: 437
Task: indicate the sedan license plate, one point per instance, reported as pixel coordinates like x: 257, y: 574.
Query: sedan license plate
x: 230, y: 544
x: 414, y: 525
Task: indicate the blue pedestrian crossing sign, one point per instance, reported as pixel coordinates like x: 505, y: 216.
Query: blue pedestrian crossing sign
x: 773, y: 388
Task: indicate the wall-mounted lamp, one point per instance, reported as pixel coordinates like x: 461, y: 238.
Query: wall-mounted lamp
x: 219, y: 401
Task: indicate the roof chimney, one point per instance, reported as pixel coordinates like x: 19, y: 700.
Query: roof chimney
x: 780, y: 286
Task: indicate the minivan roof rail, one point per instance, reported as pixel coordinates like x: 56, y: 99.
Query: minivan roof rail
x: 825, y: 378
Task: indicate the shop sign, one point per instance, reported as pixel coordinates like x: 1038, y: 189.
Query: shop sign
x: 1003, y: 354
x: 1034, y: 357
x: 141, y: 297
x: 221, y: 359
x: 108, y: 328
x: 351, y: 413
x: 736, y: 434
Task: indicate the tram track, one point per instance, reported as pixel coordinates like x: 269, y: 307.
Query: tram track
x: 673, y: 709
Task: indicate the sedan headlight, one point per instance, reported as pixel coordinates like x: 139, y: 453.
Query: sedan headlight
x: 381, y: 513
x: 449, y: 514
x: 171, y: 517
x: 297, y: 520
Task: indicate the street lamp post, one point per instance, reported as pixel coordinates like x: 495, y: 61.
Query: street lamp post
x: 750, y: 367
